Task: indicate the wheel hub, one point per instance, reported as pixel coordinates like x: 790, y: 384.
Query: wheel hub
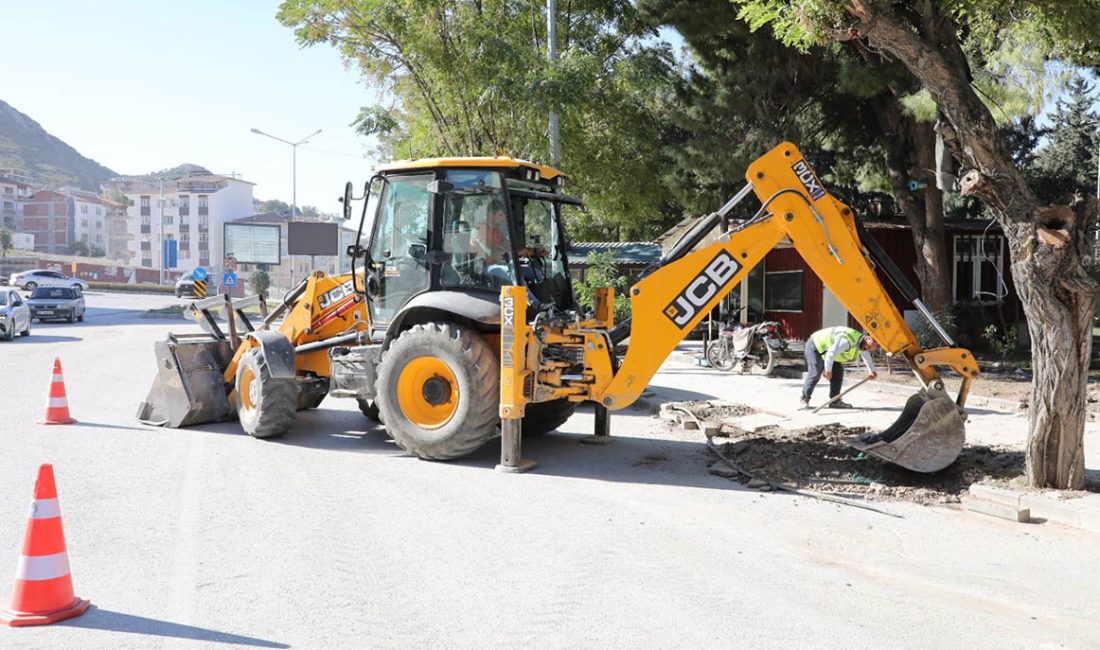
x: 437, y: 390
x: 427, y: 392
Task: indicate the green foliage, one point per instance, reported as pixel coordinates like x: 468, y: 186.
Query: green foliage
x: 927, y: 335
x: 473, y: 78
x: 1000, y: 342
x: 6, y: 242
x: 259, y: 281
x: 79, y: 248
x: 602, y: 272
x: 96, y: 251
x: 1067, y: 163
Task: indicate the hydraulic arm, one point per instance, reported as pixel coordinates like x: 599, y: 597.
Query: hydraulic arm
x: 669, y: 302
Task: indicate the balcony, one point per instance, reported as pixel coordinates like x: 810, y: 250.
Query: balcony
x: 203, y: 211
x: 146, y: 229
x: 184, y: 228
x: 145, y: 246
x: 145, y: 212
x: 185, y: 210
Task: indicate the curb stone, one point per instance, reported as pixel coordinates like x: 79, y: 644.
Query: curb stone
x: 1078, y: 512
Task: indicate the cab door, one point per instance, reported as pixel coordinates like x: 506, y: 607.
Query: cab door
x: 400, y: 244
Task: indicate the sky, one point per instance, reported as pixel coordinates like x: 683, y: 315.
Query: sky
x: 140, y: 86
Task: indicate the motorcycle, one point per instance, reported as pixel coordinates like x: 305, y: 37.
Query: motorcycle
x: 752, y: 348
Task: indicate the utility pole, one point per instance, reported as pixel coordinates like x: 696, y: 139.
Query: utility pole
x: 160, y: 235
x: 552, y: 47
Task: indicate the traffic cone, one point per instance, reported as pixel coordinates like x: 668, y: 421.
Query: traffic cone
x: 57, y: 405
x: 43, y: 586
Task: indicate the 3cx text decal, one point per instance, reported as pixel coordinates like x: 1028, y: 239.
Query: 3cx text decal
x: 508, y: 336
x: 714, y: 277
x: 809, y: 179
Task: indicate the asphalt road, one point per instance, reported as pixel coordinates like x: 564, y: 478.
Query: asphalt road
x: 332, y: 538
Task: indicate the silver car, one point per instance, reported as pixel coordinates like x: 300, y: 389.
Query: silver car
x: 57, y: 303
x: 31, y: 280
x: 15, y: 315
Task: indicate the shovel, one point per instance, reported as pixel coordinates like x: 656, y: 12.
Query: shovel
x: 843, y: 393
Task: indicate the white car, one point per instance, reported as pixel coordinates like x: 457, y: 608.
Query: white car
x: 15, y: 315
x: 31, y: 280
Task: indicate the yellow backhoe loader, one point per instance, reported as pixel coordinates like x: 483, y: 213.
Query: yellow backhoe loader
x: 462, y: 320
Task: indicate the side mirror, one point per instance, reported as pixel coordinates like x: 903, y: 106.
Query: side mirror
x: 440, y: 187
x: 346, y: 200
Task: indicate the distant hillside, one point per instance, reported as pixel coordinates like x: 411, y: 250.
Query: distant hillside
x: 172, y: 173
x: 24, y: 144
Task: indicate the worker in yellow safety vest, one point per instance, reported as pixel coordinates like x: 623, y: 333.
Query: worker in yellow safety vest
x: 827, y: 351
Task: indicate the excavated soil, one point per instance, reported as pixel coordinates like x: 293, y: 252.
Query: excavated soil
x: 818, y: 459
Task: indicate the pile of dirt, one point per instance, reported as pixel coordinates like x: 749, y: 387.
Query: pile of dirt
x: 818, y: 459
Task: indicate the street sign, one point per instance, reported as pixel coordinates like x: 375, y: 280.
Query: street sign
x: 229, y: 280
x: 199, y: 273
x: 168, y: 253
x: 230, y: 264
x: 200, y: 288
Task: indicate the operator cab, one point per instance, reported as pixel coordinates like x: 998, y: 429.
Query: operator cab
x: 468, y: 226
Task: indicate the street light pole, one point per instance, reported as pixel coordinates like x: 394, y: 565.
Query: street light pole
x: 293, y: 176
x: 552, y: 51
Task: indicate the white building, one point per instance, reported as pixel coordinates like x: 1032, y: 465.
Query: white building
x: 15, y: 187
x: 189, y: 210
x: 90, y: 212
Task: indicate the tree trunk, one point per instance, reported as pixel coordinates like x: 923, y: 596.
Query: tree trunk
x: 909, y: 145
x: 1056, y: 293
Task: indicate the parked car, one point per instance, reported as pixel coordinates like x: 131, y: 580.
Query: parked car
x: 185, y: 286
x: 57, y: 303
x: 15, y: 315
x: 31, y: 280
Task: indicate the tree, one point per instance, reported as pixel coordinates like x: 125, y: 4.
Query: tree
x: 98, y: 252
x: 1050, y: 245
x: 473, y: 78
x: 259, y: 281
x: 6, y: 243
x: 1066, y: 165
x: 79, y: 248
x: 603, y: 272
x: 744, y: 92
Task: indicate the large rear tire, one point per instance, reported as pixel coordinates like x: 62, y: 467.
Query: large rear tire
x: 265, y: 405
x: 541, y: 418
x: 439, y: 391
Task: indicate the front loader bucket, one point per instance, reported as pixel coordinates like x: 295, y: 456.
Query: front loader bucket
x: 927, y: 437
x: 189, y: 388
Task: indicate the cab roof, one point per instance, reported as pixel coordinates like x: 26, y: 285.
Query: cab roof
x: 545, y: 172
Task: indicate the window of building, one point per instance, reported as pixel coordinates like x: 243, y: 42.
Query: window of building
x: 185, y: 236
x: 146, y: 261
x: 783, y: 291
x: 83, y: 209
x: 979, y: 269
x: 184, y: 253
x: 99, y: 210
x: 204, y: 237
x: 203, y: 207
x: 7, y: 190
x: 144, y: 203
x: 83, y: 223
x: 169, y: 220
x: 185, y: 205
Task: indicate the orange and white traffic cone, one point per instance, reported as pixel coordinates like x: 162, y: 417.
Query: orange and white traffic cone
x: 43, y: 585
x: 57, y: 405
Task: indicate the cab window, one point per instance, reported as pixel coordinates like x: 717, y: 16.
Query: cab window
x: 477, y: 240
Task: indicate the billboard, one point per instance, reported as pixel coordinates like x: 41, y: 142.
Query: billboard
x: 253, y: 243
x: 312, y: 238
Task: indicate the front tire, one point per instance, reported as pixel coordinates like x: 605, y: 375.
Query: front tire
x: 265, y: 405
x: 439, y: 391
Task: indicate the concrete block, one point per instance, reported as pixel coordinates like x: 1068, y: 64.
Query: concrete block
x: 1090, y: 518
x: 755, y: 422
x: 1010, y: 498
x: 710, y: 429
x: 1052, y: 510
x: 993, y: 509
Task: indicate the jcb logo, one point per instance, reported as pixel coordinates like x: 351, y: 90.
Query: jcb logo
x: 809, y: 179
x: 713, y: 278
x: 508, y: 336
x: 331, y: 297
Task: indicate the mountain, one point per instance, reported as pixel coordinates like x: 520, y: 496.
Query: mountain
x: 172, y: 173
x: 25, y: 145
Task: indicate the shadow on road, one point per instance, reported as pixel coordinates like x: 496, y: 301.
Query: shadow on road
x: 103, y: 619
x: 38, y: 339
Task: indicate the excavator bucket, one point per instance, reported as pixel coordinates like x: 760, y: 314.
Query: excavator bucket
x: 189, y: 388
x: 927, y: 437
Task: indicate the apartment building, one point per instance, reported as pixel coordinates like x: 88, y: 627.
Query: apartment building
x: 15, y: 187
x: 190, y: 210
x: 90, y: 214
x: 47, y: 215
